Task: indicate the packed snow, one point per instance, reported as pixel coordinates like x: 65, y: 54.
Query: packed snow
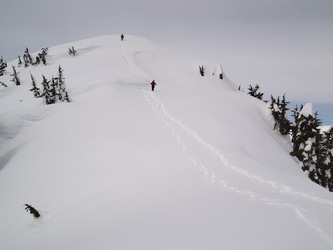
x: 195, y: 164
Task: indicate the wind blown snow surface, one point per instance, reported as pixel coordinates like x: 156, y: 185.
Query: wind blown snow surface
x: 195, y: 164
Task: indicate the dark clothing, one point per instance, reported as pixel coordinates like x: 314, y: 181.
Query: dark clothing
x: 153, y: 84
x: 122, y: 37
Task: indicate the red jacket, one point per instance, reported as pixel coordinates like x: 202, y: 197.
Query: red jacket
x: 153, y: 83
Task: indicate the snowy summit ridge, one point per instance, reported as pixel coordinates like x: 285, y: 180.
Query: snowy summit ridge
x: 195, y: 164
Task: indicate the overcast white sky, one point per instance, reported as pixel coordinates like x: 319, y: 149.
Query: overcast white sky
x: 285, y: 46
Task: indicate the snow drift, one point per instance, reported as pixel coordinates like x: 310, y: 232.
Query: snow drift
x: 195, y: 164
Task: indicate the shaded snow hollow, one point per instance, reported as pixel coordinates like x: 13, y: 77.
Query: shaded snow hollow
x: 193, y: 165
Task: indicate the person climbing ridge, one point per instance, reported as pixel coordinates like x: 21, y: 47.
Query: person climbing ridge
x: 122, y: 37
x: 153, y: 84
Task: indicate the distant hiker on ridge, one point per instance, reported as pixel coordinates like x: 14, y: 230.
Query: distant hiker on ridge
x: 122, y: 37
x: 153, y: 84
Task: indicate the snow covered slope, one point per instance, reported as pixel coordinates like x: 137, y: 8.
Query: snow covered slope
x: 193, y: 165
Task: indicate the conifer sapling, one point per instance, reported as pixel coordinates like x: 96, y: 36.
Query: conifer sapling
x: 201, y: 70
x: 3, y: 66
x: 15, y: 79
x: 32, y: 210
x: 3, y: 85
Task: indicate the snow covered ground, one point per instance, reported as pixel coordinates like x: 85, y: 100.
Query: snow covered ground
x: 193, y: 165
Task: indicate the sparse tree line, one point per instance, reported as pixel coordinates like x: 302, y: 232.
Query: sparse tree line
x: 29, y: 61
x: 311, y: 146
x: 52, y: 91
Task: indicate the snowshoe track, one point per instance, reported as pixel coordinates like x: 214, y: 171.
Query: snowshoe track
x: 216, y: 178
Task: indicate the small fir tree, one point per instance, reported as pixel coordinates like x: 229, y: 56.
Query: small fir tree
x: 19, y: 64
x: 41, y: 57
x: 37, y: 61
x: 61, y: 92
x: 202, y: 70
x: 254, y: 91
x: 34, y: 88
x: 304, y: 130
x: 27, y: 58
x: 327, y: 155
x: 15, y: 79
x: 47, y: 93
x: 3, y: 66
x: 72, y: 51
x: 32, y: 211
x: 279, y: 111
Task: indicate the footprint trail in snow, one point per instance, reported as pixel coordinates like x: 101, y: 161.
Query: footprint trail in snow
x: 217, y: 178
x: 219, y: 169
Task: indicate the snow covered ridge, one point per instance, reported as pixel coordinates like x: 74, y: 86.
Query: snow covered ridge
x: 193, y: 165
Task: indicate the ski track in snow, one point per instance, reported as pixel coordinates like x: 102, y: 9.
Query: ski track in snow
x: 160, y: 111
x: 127, y: 59
x: 168, y: 120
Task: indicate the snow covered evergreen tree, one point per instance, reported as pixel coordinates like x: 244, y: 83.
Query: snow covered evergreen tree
x: 304, y: 131
x: 35, y: 89
x: 49, y: 98
x: 279, y: 111
x: 41, y: 57
x: 3, y: 66
x: 72, y: 51
x: 328, y: 146
x: 59, y: 84
x: 15, y: 79
x: 19, y: 61
x: 27, y: 58
x: 37, y: 61
x: 312, y: 147
x: 254, y: 91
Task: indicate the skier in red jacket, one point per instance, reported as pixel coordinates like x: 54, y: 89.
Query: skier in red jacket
x: 153, y: 84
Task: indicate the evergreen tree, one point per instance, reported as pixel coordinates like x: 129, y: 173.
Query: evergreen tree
x: 66, y: 97
x: 19, y: 61
x: 35, y: 89
x: 304, y: 130
x: 313, y: 148
x: 37, y: 61
x: 27, y: 58
x: 32, y: 211
x: 60, y: 86
x: 42, y: 56
x: 49, y: 98
x: 254, y: 91
x: 202, y: 70
x: 72, y: 51
x: 327, y: 144
x: 3, y: 66
x: 279, y: 111
x: 15, y: 79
